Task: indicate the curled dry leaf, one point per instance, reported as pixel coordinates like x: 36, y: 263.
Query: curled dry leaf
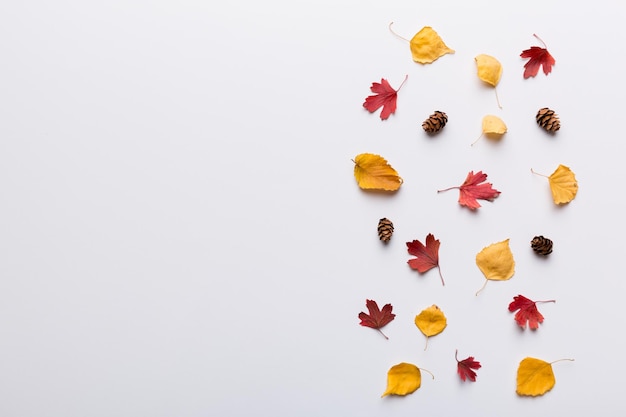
x: 373, y: 172
x: 493, y: 127
x: 489, y: 71
x: 431, y: 321
x: 403, y: 379
x: 426, y: 46
x: 563, y: 184
x: 535, y: 377
x: 496, y: 262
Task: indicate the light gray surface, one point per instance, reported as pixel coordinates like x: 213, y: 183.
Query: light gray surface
x: 181, y: 233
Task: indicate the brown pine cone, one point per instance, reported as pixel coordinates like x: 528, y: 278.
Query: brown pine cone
x: 385, y: 229
x: 548, y: 119
x: 435, y: 122
x: 541, y: 245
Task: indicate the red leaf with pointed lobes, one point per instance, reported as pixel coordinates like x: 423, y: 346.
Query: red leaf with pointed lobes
x: 528, y: 312
x: 474, y: 188
x: 427, y: 256
x: 385, y: 96
x: 538, y: 57
x: 465, y: 368
x: 376, y: 318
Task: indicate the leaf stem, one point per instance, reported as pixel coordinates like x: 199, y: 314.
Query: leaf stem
x: 536, y: 173
x: 427, y: 371
x: 561, y: 360
x: 483, y: 287
x: 497, y: 98
x: 446, y: 189
x: 541, y: 40
x: 440, y: 276
x: 426, y: 346
x: 403, y: 81
x: 546, y: 301
x: 381, y: 332
x: 481, y: 135
x: 391, y: 30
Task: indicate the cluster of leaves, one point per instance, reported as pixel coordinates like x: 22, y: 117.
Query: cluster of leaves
x: 495, y: 261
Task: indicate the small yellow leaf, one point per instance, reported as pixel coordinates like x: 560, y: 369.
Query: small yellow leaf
x: 402, y: 379
x: 563, y: 185
x: 489, y: 69
x: 427, y: 46
x: 496, y: 261
x: 493, y: 125
x: 534, y: 377
x: 431, y: 322
x: 372, y: 172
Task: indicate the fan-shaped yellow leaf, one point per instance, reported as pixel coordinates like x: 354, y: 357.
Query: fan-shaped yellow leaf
x: 493, y: 125
x: 489, y: 69
x: 431, y: 321
x: 534, y: 377
x: 402, y: 379
x: 427, y: 46
x: 563, y: 185
x: 372, y: 172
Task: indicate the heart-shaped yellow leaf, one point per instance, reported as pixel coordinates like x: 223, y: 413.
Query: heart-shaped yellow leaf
x: 563, y: 185
x: 496, y: 262
x: 535, y: 376
x: 373, y: 172
x: 431, y: 321
x: 427, y: 46
x: 489, y: 69
x: 402, y: 379
x: 493, y: 125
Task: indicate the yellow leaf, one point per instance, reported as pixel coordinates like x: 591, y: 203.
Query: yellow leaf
x: 493, y: 125
x: 563, y: 185
x: 534, y: 377
x: 427, y: 46
x: 372, y: 172
x: 489, y: 69
x: 431, y: 322
x: 496, y: 262
x: 402, y: 379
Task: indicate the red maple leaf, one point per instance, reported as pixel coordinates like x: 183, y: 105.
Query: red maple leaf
x: 385, y: 97
x: 376, y: 318
x: 472, y: 190
x: 527, y: 311
x: 538, y: 57
x: 465, y: 368
x: 427, y: 256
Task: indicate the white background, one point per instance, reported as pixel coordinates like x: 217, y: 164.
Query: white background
x: 181, y: 233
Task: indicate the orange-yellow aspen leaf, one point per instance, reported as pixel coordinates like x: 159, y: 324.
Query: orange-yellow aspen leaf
x: 535, y: 377
x: 563, y: 184
x: 493, y: 127
x: 426, y: 46
x: 403, y: 378
x: 431, y: 322
x: 496, y: 262
x: 489, y: 71
x: 372, y: 172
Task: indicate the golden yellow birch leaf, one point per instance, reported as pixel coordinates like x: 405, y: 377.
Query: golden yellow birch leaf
x: 431, y: 322
x: 427, y: 46
x: 496, y: 262
x: 489, y: 69
x: 402, y: 379
x: 493, y: 127
x: 563, y: 185
x: 372, y: 172
x: 535, y: 377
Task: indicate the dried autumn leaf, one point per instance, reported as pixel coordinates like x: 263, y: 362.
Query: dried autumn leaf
x: 535, y: 376
x: 493, y: 127
x: 528, y: 312
x: 385, y: 96
x: 538, y: 57
x: 426, y: 45
x: 402, y: 379
x: 496, y: 262
x: 465, y: 368
x: 427, y: 256
x: 431, y: 321
x: 563, y: 184
x: 489, y: 71
x: 376, y: 319
x: 474, y: 188
x: 373, y: 172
